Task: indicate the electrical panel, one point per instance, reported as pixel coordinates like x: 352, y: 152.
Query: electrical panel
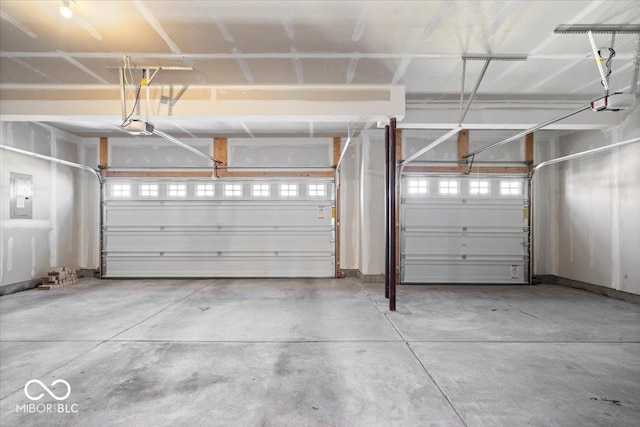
x: 21, y: 196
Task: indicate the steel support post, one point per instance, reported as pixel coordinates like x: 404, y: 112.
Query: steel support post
x: 387, y: 213
x: 392, y: 214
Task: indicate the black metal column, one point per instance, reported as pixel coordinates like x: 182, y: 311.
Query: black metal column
x: 387, y: 214
x: 392, y: 214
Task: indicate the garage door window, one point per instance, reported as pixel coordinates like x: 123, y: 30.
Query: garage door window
x: 233, y: 190
x: 478, y: 188
x: 417, y: 187
x: 288, y: 190
x: 510, y: 188
x: 260, y: 190
x: 448, y: 187
x: 317, y: 190
x: 204, y: 190
x: 177, y: 190
x: 149, y: 190
x: 121, y: 190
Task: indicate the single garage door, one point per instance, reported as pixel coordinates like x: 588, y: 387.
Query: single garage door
x: 464, y: 229
x: 221, y: 228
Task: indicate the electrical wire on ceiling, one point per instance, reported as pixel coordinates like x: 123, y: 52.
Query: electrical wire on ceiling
x: 129, y: 82
x: 607, y: 60
x: 127, y: 119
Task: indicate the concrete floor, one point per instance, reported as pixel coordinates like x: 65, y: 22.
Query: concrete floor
x: 319, y: 353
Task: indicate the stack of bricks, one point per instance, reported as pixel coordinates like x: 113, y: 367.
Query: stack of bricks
x: 59, y: 277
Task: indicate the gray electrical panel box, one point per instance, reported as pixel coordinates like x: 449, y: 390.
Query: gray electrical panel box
x: 21, y: 196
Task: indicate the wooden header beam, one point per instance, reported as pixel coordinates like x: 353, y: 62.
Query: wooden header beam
x: 336, y: 150
x: 104, y: 155
x: 528, y: 150
x: 463, y: 146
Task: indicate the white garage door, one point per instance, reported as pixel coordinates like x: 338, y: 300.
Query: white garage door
x: 206, y: 228
x: 464, y: 229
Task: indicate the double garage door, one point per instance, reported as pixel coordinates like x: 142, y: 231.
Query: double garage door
x: 464, y: 229
x: 207, y: 228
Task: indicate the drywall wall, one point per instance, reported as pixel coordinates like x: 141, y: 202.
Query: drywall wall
x: 593, y: 211
x: 279, y: 152
x: 415, y: 140
x: 545, y: 190
x: 29, y: 247
x: 152, y: 151
x: 350, y: 207
x: 372, y: 191
x: 89, y: 200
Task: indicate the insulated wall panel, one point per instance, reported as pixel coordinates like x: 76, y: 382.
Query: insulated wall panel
x: 471, y: 229
x: 171, y: 228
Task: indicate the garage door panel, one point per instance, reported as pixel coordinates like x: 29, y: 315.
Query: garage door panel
x: 221, y: 229
x: 272, y: 214
x: 220, y: 241
x: 464, y: 229
x: 464, y: 271
x: 463, y: 243
x: 315, y: 265
x: 442, y: 215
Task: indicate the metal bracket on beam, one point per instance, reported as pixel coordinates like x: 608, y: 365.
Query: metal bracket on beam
x: 612, y: 29
x: 597, y: 29
x: 487, y: 59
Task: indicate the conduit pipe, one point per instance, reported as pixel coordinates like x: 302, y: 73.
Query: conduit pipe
x: 52, y: 159
x: 523, y: 133
x: 582, y: 153
x: 552, y: 162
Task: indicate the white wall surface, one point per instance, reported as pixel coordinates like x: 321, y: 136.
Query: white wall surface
x: 415, y: 140
x: 593, y: 211
x: 152, y: 151
x: 29, y: 247
x: 350, y: 230
x: 280, y: 152
x: 545, y: 190
x: 372, y: 202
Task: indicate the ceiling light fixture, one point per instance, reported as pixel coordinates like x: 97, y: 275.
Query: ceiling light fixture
x: 65, y: 9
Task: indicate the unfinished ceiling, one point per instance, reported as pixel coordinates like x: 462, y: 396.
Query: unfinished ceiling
x: 416, y: 44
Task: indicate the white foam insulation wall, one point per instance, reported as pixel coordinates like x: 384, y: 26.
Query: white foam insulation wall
x: 593, y: 210
x: 61, y: 229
